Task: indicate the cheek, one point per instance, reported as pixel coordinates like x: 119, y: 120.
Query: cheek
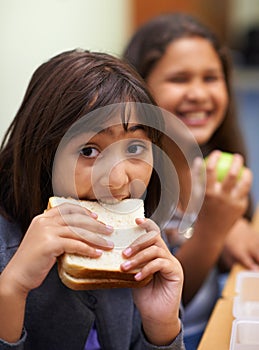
x: 168, y: 96
x: 221, y: 96
x: 140, y: 178
x: 63, y: 176
x: 145, y: 174
x: 225, y: 102
x: 147, y: 171
x: 82, y: 180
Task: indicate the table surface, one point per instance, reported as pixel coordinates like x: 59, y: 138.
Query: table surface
x: 218, y: 331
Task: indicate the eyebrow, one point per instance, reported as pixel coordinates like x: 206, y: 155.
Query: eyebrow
x: 133, y: 128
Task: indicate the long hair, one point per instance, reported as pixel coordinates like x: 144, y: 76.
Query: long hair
x: 149, y: 44
x: 60, y: 92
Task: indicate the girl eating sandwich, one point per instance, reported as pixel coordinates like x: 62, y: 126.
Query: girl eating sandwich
x: 88, y: 129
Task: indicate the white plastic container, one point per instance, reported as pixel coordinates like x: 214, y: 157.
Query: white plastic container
x: 245, y: 327
x: 246, y: 302
x: 245, y: 335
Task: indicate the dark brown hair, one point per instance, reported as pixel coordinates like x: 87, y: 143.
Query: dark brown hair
x: 148, y: 45
x: 60, y: 92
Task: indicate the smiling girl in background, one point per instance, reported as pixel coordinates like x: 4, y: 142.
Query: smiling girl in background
x: 188, y: 73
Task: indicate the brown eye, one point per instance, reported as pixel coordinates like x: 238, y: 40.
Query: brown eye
x: 211, y: 78
x: 136, y: 149
x: 89, y: 152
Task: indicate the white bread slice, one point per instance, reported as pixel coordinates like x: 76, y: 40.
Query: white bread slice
x: 122, y: 217
x: 98, y: 283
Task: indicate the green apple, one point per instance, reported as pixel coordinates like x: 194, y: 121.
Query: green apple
x: 223, y: 165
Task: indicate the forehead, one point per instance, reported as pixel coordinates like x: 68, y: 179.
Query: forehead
x: 181, y: 50
x: 123, y: 113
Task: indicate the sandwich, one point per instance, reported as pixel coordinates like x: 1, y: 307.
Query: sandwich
x: 82, y: 272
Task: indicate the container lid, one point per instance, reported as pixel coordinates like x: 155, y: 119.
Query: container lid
x: 246, y: 301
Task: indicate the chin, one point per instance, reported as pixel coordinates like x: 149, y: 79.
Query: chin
x: 202, y: 139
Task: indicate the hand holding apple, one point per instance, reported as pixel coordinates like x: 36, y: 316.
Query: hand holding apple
x: 223, y: 165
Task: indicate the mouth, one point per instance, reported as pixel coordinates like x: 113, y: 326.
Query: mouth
x: 196, y: 118
x: 113, y: 199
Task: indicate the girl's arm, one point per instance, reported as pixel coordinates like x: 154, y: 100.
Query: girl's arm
x: 159, y: 301
x: 67, y: 228
x: 12, y: 308
x: 224, y: 204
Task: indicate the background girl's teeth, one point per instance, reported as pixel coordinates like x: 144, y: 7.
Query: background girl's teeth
x: 199, y: 115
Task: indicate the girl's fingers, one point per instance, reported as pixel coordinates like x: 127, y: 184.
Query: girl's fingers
x: 143, y: 257
x: 211, y: 165
x: 75, y: 215
x: 71, y: 246
x: 244, y: 184
x: 233, y: 175
x: 86, y: 222
x: 150, y: 261
x: 237, y: 181
x: 86, y: 236
x: 52, y: 230
x: 69, y: 208
x: 145, y: 240
x: 169, y: 270
x: 147, y: 224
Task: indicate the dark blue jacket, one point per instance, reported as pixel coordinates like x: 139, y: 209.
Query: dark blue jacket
x: 58, y: 318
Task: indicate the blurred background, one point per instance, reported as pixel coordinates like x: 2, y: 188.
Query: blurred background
x: 32, y: 31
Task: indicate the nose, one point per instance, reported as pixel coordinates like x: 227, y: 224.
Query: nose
x: 119, y: 175
x: 197, y: 91
x: 115, y: 176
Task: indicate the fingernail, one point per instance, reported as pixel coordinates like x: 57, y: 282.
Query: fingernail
x: 109, y: 228
x: 127, y: 251
x: 255, y: 267
x: 126, y: 264
x: 110, y: 244
x: 94, y: 215
x: 99, y: 251
x: 138, y: 276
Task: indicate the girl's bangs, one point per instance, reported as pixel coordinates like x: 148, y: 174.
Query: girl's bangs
x: 147, y: 115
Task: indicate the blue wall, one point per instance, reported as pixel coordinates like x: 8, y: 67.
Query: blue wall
x: 248, y: 110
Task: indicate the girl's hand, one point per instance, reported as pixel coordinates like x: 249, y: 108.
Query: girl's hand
x: 67, y: 228
x: 162, y: 295
x: 242, y: 246
x: 225, y: 202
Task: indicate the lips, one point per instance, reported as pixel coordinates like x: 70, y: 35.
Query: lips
x: 113, y: 199
x: 109, y: 200
x: 194, y: 118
